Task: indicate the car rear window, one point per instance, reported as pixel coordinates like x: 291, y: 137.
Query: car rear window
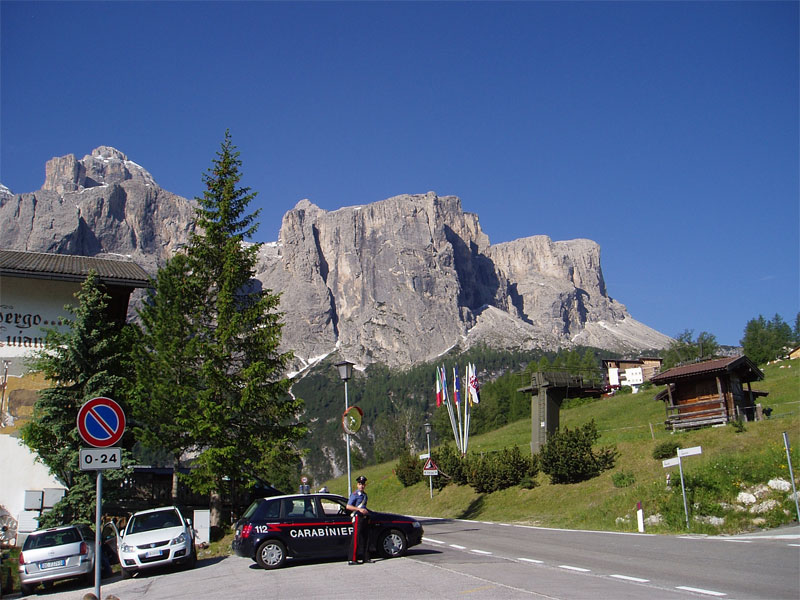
x: 48, y: 539
x: 269, y: 509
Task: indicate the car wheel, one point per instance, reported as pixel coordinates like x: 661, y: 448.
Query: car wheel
x: 392, y: 544
x: 271, y: 554
x: 26, y: 589
x: 126, y: 573
x: 88, y: 579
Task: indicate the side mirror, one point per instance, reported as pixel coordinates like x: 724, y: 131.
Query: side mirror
x: 189, y: 522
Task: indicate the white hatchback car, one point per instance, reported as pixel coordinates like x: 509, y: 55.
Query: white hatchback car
x: 155, y: 538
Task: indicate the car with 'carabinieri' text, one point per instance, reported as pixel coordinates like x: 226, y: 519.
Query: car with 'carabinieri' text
x: 315, y: 525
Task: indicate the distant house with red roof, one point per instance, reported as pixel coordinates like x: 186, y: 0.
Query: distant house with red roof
x: 710, y: 392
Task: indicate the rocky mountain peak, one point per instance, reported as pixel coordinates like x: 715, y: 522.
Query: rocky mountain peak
x: 104, y: 166
x: 396, y: 281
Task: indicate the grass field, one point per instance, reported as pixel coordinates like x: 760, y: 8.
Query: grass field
x: 731, y: 462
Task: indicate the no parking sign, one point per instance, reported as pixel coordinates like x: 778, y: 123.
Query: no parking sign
x: 101, y: 422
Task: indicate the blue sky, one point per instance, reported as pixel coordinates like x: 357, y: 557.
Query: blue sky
x: 666, y: 132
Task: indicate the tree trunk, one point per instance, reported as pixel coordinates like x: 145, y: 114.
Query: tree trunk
x: 175, y: 465
x: 215, y: 516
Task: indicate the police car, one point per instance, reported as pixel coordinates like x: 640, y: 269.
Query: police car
x: 315, y: 525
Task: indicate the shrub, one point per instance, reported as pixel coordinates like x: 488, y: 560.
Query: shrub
x: 452, y: 468
x: 408, y: 469
x: 568, y: 457
x: 500, y: 470
x: 666, y: 449
x: 622, y: 479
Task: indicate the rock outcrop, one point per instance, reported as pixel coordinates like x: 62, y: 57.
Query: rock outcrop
x: 100, y: 204
x: 397, y: 281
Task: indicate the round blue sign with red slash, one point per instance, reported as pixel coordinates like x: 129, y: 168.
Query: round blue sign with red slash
x: 101, y: 422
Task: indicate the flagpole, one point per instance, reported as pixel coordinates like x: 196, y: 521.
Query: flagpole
x: 467, y: 405
x: 456, y: 432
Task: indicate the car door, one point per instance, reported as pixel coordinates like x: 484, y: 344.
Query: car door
x: 303, y: 528
x: 337, y: 521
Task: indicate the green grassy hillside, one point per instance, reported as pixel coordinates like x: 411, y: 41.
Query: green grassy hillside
x: 731, y: 462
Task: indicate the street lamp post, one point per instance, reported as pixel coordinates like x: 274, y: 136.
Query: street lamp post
x: 345, y: 372
x: 428, y: 435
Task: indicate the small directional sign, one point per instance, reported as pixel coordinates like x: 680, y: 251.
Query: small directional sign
x: 690, y: 451
x: 95, y: 459
x: 430, y: 469
x: 670, y: 462
x: 101, y: 422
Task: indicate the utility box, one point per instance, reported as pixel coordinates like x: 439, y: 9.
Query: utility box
x: 51, y: 496
x: 33, y: 499
x: 202, y: 525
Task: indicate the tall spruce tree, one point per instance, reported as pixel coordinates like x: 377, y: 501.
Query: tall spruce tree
x: 245, y: 417
x: 83, y: 360
x: 165, y: 359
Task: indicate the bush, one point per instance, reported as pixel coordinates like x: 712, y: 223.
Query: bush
x: 451, y: 466
x: 666, y: 449
x: 500, y: 470
x: 622, y: 479
x: 409, y: 469
x: 568, y: 457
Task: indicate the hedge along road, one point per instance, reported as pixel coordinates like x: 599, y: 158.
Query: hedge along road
x: 461, y: 559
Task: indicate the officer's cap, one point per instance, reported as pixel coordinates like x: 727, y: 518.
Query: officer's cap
x: 361, y: 479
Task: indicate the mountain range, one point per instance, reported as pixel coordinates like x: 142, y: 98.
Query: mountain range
x: 397, y: 281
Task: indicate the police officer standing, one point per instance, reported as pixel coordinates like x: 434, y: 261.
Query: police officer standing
x: 357, y: 504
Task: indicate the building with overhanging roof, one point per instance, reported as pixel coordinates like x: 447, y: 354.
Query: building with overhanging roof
x: 35, y: 287
x: 710, y: 392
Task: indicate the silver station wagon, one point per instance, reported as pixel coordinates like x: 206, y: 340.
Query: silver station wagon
x: 54, y: 554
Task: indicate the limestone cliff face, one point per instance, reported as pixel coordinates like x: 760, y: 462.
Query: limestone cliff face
x: 100, y: 204
x: 405, y: 279
x: 397, y: 281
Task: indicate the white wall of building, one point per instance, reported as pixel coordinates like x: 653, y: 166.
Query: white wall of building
x: 19, y: 471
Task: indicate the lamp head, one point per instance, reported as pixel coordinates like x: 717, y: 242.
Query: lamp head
x: 345, y: 370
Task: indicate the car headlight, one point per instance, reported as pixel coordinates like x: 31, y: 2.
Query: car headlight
x: 179, y: 540
x: 126, y: 548
x: 417, y: 524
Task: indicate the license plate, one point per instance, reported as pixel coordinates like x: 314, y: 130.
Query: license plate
x: 50, y: 564
x: 152, y: 553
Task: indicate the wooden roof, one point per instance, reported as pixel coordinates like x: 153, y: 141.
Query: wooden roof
x: 745, y: 368
x: 68, y: 267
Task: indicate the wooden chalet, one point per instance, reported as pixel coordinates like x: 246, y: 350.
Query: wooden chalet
x: 710, y: 392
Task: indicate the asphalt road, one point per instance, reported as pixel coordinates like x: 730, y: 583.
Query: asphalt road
x: 469, y: 559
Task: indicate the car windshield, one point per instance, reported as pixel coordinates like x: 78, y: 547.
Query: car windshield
x: 155, y: 520
x: 49, y: 539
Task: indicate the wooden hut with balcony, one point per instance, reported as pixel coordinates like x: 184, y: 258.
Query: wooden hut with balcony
x: 710, y: 392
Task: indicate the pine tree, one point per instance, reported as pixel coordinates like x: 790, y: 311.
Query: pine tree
x: 245, y: 416
x: 165, y: 359
x: 83, y: 360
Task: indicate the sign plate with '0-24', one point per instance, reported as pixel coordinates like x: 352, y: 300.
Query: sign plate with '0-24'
x: 96, y: 459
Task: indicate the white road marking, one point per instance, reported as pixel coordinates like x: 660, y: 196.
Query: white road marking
x: 740, y: 541
x: 699, y: 590
x: 581, y: 569
x: 457, y: 547
x: 532, y: 560
x: 629, y: 578
x: 480, y: 551
x: 432, y: 541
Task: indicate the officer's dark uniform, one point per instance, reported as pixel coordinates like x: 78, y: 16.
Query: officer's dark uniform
x: 359, y: 543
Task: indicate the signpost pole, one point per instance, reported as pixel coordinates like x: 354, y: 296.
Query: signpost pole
x: 683, y: 491
x: 791, y: 473
x: 98, y: 535
x: 428, y: 435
